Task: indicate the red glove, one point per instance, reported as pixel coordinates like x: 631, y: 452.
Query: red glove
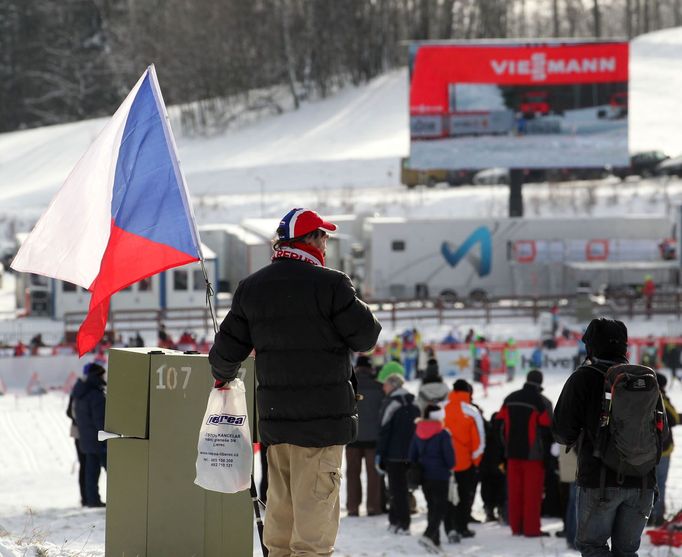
x: 221, y: 385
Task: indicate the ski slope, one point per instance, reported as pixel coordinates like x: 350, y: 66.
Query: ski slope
x: 349, y: 142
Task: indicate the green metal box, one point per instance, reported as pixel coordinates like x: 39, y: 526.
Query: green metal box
x: 156, y: 400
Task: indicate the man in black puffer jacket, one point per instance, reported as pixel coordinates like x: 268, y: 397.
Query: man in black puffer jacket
x: 304, y: 321
x: 89, y: 404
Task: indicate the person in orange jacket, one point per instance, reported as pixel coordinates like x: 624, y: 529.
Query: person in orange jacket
x: 465, y: 424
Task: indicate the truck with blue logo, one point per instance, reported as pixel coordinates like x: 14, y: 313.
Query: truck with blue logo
x: 407, y: 259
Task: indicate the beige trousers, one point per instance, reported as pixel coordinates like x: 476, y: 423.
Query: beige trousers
x: 302, y: 516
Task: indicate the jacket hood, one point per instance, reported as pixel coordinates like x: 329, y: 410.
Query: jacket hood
x: 428, y: 428
x: 459, y: 396
x: 401, y: 391
x: 91, y: 382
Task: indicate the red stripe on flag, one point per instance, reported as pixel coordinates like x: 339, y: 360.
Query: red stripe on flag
x: 128, y: 259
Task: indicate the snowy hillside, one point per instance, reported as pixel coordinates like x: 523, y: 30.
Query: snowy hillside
x: 351, y: 141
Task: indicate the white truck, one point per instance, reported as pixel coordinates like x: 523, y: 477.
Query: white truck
x: 479, y: 258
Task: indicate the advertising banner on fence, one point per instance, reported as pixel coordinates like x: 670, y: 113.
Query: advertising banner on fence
x: 518, y: 105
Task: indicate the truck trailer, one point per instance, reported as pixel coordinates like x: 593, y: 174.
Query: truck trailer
x: 483, y: 258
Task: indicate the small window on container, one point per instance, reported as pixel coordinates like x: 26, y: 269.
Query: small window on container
x: 398, y: 245
x: 198, y: 282
x: 145, y: 285
x: 180, y: 279
x: 68, y: 287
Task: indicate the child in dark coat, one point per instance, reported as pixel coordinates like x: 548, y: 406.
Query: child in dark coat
x: 432, y: 448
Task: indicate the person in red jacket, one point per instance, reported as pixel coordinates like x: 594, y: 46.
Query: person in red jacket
x: 466, y: 426
x: 526, y: 417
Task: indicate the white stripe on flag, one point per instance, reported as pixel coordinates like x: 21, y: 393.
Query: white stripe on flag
x: 69, y: 240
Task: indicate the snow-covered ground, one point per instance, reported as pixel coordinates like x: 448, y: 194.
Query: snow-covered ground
x: 337, y: 155
x: 39, y: 505
x: 586, y: 148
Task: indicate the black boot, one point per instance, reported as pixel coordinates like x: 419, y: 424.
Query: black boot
x: 490, y: 514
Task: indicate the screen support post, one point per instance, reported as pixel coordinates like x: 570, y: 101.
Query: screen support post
x: 515, y: 192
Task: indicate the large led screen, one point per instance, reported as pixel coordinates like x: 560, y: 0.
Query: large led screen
x: 518, y: 105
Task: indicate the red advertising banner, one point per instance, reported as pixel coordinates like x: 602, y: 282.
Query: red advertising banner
x: 518, y: 105
x: 435, y: 67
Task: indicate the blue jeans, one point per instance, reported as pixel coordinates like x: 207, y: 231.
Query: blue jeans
x: 661, y: 478
x: 621, y: 517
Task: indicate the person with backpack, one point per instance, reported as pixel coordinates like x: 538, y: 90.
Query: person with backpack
x: 605, y: 404
x: 431, y: 448
x: 673, y: 417
x: 398, y: 415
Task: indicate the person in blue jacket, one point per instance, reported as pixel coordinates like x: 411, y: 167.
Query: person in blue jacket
x: 89, y: 401
x: 431, y: 447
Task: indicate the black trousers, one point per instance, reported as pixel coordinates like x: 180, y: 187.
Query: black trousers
x: 81, y: 471
x: 399, y: 505
x: 436, y: 494
x: 493, y: 489
x: 457, y: 517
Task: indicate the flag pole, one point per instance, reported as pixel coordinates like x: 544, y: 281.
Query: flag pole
x: 195, y: 235
x: 184, y: 190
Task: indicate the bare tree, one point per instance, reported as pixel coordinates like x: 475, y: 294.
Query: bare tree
x: 284, y: 14
x: 556, y: 26
x: 596, y: 18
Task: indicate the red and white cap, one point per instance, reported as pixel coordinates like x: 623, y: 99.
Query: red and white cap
x: 299, y: 222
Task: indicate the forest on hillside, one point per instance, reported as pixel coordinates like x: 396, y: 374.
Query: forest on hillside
x: 68, y: 60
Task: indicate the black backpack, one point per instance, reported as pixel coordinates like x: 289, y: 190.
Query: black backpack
x: 632, y: 420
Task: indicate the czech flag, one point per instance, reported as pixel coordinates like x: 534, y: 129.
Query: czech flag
x: 123, y: 213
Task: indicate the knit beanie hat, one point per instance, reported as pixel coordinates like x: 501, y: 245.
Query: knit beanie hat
x: 432, y: 372
x: 462, y: 385
x: 93, y: 368
x: 535, y: 377
x: 606, y: 338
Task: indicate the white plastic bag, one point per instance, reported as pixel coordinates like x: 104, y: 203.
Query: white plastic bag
x: 225, y: 452
x: 453, y: 494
